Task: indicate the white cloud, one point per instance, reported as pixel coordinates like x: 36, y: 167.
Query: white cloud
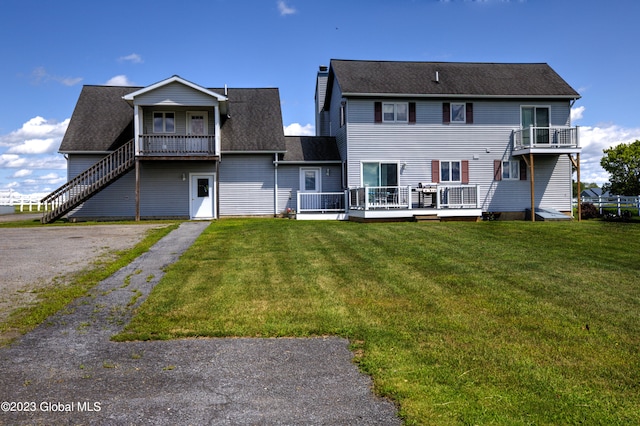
x: 36, y: 136
x: 284, y: 9
x: 296, y: 129
x: 22, y: 173
x: 576, y: 113
x: 593, y: 140
x: 13, y: 161
x: 119, y: 80
x: 40, y: 75
x: 134, y: 58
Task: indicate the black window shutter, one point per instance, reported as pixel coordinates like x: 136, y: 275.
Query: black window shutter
x: 469, y: 107
x: 446, y: 112
x: 412, y: 112
x: 523, y: 170
x: 377, y: 106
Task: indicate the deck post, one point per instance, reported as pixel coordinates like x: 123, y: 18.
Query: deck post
x: 137, y: 190
x: 578, y: 186
x: 532, y: 183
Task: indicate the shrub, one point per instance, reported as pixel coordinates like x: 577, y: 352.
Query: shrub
x: 589, y: 211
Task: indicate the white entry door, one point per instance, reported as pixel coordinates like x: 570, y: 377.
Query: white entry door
x: 197, y: 126
x: 202, y: 194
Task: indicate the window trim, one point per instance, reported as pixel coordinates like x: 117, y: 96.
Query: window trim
x: 395, y: 112
x: 164, y: 122
x: 463, y: 109
x: 509, y: 164
x: 450, y: 168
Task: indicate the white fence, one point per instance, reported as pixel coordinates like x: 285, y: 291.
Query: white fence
x: 26, y: 203
x: 615, y: 202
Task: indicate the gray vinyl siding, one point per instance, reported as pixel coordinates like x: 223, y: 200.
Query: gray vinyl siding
x: 175, y: 94
x: 489, y: 138
x: 163, y: 193
x: 289, y: 183
x: 246, y: 185
x: 116, y: 200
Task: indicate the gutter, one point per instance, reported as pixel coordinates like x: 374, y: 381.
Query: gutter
x: 457, y: 96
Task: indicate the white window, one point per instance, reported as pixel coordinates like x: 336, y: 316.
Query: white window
x: 395, y: 112
x: 164, y: 122
x: 511, y: 170
x: 450, y: 171
x: 458, y: 113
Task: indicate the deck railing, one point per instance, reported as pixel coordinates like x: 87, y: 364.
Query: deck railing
x: 380, y: 197
x: 458, y: 197
x: 321, y: 202
x: 177, y: 145
x: 545, y: 137
x: 400, y: 197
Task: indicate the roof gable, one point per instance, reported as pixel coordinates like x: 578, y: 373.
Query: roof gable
x: 172, y: 80
x: 103, y: 120
x: 449, y: 79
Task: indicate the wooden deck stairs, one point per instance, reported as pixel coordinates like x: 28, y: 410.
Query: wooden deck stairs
x: 88, y: 183
x: 426, y: 218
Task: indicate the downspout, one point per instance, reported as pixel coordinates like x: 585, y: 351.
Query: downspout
x: 275, y: 185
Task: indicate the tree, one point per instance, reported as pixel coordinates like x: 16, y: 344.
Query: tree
x: 623, y: 164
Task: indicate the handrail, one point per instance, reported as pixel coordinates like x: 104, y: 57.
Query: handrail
x: 546, y: 137
x: 94, y: 179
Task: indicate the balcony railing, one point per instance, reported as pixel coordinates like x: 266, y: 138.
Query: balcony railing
x: 177, y: 145
x: 546, y: 137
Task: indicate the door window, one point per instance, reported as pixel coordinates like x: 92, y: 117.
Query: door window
x: 310, y: 180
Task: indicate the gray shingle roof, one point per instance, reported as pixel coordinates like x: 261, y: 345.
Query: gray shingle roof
x: 311, y: 148
x: 102, y: 121
x: 454, y: 79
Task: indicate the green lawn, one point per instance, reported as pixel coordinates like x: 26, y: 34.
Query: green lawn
x: 459, y: 323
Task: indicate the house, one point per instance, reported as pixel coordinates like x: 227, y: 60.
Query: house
x: 175, y: 149
x: 394, y: 140
x: 449, y: 139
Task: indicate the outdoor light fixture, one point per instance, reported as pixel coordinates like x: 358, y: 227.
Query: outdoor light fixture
x: 328, y: 172
x: 184, y: 177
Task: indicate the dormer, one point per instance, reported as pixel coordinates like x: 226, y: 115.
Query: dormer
x: 176, y: 117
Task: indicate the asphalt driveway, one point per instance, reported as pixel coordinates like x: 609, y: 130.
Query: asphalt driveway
x: 67, y: 371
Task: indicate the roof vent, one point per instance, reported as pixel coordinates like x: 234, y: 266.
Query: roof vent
x: 437, y: 78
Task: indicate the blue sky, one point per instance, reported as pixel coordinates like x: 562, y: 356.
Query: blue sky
x: 51, y: 48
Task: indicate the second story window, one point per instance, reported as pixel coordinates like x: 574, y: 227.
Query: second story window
x: 457, y: 112
x: 164, y: 122
x: 395, y: 112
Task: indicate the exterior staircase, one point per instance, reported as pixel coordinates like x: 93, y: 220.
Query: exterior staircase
x: 88, y: 183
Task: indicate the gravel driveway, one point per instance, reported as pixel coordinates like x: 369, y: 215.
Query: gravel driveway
x: 67, y: 371
x: 36, y: 257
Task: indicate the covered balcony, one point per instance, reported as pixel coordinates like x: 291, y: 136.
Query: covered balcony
x: 546, y: 140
